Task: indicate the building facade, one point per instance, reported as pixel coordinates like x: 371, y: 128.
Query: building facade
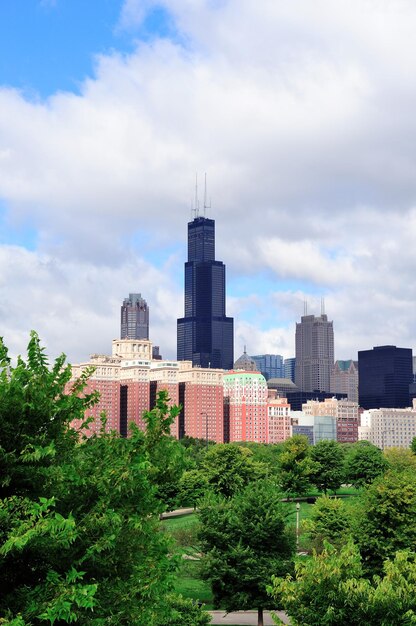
x: 314, y: 353
x: 245, y: 406
x: 387, y: 428
x: 270, y: 365
x: 344, y: 379
x: 344, y: 413
x: 205, y: 335
x: 289, y: 368
x: 134, y: 318
x: 385, y: 373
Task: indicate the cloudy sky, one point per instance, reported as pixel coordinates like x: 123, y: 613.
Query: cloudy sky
x: 301, y: 113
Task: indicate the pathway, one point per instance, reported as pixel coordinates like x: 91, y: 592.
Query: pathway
x: 245, y: 618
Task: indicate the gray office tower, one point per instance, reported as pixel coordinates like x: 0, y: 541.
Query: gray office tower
x: 134, y: 318
x: 314, y: 353
x: 384, y: 376
x: 205, y: 334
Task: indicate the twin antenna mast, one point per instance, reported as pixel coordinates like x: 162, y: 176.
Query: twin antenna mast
x: 195, y: 206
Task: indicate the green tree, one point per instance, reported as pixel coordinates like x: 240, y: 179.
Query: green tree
x: 329, y: 521
x: 330, y: 590
x: 328, y: 470
x: 229, y: 468
x: 184, y: 612
x: 79, y: 528
x: 413, y: 445
x: 400, y: 459
x: 193, y: 486
x: 295, y: 466
x: 385, y: 518
x: 364, y: 463
x: 245, y: 539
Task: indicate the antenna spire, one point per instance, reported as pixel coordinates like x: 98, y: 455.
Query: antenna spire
x: 322, y: 306
x: 196, y: 196
x: 206, y: 206
x: 305, y: 307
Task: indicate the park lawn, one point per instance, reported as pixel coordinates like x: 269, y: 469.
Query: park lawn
x: 190, y: 585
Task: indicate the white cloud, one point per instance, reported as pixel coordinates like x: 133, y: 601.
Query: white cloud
x: 303, y: 116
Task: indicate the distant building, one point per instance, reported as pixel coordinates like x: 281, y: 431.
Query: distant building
x: 279, y: 421
x: 289, y: 368
x: 134, y: 318
x: 245, y: 363
x: 344, y: 412
x: 298, y: 398
x: 387, y: 428
x: 245, y: 406
x: 270, y: 365
x: 314, y: 353
x: 385, y: 373
x: 344, y: 379
x: 205, y: 333
x: 282, y: 386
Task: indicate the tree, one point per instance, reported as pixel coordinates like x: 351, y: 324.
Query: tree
x: 413, y: 445
x: 295, y: 466
x: 329, y: 521
x: 79, y: 528
x: 330, y: 590
x: 364, y: 463
x: 193, y: 486
x: 229, y: 468
x: 184, y: 612
x: 328, y: 470
x: 400, y: 459
x: 385, y: 518
x: 245, y: 539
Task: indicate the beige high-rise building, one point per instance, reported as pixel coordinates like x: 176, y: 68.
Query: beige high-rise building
x: 314, y: 353
x: 344, y: 379
x: 387, y: 428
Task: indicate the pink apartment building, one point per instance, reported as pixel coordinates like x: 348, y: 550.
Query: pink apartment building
x: 245, y: 406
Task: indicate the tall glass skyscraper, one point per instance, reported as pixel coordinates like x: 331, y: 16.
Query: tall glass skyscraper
x: 314, y: 353
x: 205, y: 334
x: 384, y: 376
x: 134, y: 318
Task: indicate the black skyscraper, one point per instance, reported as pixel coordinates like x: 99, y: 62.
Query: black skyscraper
x: 205, y: 334
x: 384, y: 376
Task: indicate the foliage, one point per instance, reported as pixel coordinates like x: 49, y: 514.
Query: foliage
x: 413, y: 445
x: 79, y: 528
x: 330, y: 590
x: 196, y: 449
x: 193, y: 485
x: 230, y: 468
x: 386, y: 518
x: 329, y: 521
x: 265, y: 453
x: 400, y: 459
x: 295, y: 466
x: 364, y: 463
x: 245, y: 540
x: 328, y: 465
x: 184, y: 612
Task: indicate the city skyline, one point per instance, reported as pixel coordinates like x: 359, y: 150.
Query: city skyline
x: 302, y: 118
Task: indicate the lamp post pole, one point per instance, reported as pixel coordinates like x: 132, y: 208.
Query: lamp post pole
x: 297, y: 524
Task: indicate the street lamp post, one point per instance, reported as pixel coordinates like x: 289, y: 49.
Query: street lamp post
x: 297, y: 524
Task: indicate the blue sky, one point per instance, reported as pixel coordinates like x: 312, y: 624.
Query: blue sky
x: 301, y: 115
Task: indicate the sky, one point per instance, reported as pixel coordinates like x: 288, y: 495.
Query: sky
x: 302, y: 115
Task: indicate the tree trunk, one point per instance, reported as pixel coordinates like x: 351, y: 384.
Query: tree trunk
x: 260, y: 617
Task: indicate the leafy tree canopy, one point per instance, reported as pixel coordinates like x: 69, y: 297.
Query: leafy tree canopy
x: 328, y: 470
x: 385, y: 518
x: 330, y: 590
x: 229, y: 468
x: 79, y: 528
x: 364, y: 463
x: 245, y: 539
x: 295, y: 466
